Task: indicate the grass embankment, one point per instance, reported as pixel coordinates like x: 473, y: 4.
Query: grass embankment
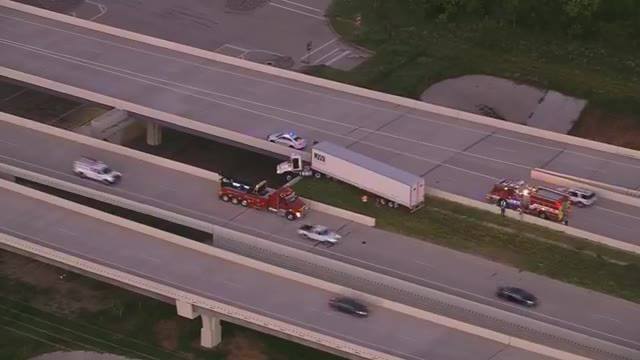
x: 412, y: 53
x: 42, y: 312
x: 525, y: 246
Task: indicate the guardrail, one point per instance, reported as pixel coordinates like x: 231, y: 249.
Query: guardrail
x: 611, y: 192
x: 535, y: 220
x: 231, y: 311
x: 331, y: 270
x: 411, y: 103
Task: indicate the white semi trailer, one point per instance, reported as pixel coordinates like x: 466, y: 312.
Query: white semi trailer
x: 394, y: 186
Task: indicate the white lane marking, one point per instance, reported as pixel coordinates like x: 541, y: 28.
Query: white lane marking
x: 216, y: 296
x: 81, y: 62
x: 232, y: 47
x: 298, y: 11
x: 268, y: 235
x: 425, y: 264
x: 231, y: 283
x: 150, y: 258
x: 617, y: 212
x: 319, y: 60
x: 15, y: 94
x: 122, y: 72
x: 303, y: 6
x: 101, y: 8
x: 345, y: 53
x: 607, y: 318
x: 329, y: 96
x: 9, y: 143
x: 320, y: 48
x: 68, y: 232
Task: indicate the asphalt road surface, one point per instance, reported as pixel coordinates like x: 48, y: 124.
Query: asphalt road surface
x: 275, y: 31
x: 425, y: 264
x: 450, y: 154
x: 234, y: 284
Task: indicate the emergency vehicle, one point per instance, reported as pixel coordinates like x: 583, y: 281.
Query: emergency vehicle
x: 283, y: 201
x: 535, y: 200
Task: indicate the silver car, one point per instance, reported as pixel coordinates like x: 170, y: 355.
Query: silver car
x: 579, y: 197
x: 95, y: 170
x: 319, y: 233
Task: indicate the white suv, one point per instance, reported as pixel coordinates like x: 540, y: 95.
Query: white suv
x: 95, y: 170
x: 580, y: 197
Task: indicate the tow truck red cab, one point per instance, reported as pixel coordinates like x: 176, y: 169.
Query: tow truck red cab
x: 283, y: 201
x: 535, y: 200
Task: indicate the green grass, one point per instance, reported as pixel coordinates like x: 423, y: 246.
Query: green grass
x: 413, y: 54
x: 524, y: 246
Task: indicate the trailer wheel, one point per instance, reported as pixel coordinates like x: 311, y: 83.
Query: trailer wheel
x: 391, y: 204
x: 288, y: 177
x: 290, y: 216
x: 244, y: 203
x: 225, y: 198
x: 317, y: 175
x: 542, y: 215
x: 235, y: 201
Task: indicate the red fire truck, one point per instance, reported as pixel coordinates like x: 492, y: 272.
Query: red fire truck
x: 283, y: 201
x: 535, y: 200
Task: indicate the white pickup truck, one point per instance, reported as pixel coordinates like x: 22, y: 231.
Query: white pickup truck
x: 95, y: 170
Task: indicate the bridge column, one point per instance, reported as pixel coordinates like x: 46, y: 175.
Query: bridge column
x: 154, y: 134
x: 211, y: 332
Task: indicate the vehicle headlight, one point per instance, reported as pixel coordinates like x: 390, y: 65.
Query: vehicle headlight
x: 298, y: 214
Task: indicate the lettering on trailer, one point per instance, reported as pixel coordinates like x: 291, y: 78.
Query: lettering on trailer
x: 319, y: 157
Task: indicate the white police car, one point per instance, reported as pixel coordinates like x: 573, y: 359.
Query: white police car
x: 95, y: 170
x: 290, y: 139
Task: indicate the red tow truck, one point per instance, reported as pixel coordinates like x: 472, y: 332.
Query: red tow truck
x: 535, y: 200
x: 283, y: 201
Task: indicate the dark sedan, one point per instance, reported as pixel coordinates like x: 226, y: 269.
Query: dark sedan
x: 517, y: 295
x: 349, y: 306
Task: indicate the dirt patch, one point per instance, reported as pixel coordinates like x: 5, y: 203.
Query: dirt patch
x: 243, y: 346
x: 66, y: 296
x: 167, y: 333
x: 616, y: 129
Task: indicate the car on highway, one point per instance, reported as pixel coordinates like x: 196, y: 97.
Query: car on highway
x: 517, y: 295
x: 579, y: 197
x: 290, y: 139
x: 318, y: 233
x: 349, y: 306
x: 96, y: 170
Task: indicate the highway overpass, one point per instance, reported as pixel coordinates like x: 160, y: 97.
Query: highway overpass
x: 216, y: 285
x: 233, y: 102
x: 179, y: 193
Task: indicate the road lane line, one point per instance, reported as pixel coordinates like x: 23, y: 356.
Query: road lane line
x: 320, y: 48
x: 322, y: 94
x: 318, y: 61
x: 303, y: 6
x: 298, y: 11
x: 345, y: 53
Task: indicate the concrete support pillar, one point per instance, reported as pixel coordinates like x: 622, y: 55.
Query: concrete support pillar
x: 211, y: 333
x: 154, y: 134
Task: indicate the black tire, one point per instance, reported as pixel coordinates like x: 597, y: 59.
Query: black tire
x: 317, y: 175
x: 542, y: 215
x: 579, y: 204
x: 225, y: 198
x: 288, y: 177
x: 235, y: 201
x: 290, y: 216
x: 244, y: 203
x: 107, y: 182
x: 391, y: 204
x: 81, y: 174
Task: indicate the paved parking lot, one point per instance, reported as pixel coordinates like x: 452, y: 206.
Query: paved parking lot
x: 275, y: 32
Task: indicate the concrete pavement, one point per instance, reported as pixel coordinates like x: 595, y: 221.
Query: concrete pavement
x: 275, y: 31
x: 452, y: 155
x: 409, y: 259
x: 231, y: 283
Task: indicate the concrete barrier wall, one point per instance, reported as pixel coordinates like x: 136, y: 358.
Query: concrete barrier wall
x: 231, y: 312
x: 156, y: 160
x: 411, y: 103
x: 535, y: 220
x: 152, y: 113
x: 611, y: 192
x: 234, y: 312
x: 346, y: 214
